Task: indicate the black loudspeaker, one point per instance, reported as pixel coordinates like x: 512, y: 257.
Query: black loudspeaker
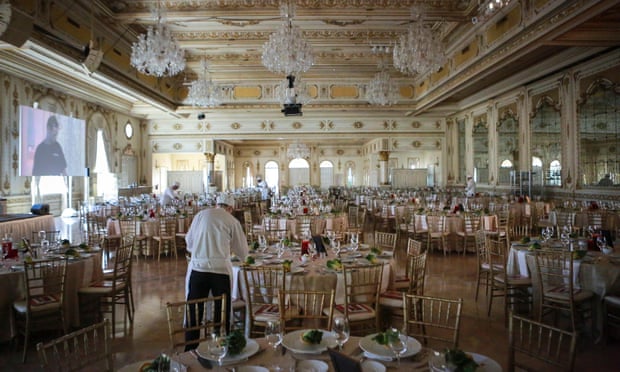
x: 40, y: 209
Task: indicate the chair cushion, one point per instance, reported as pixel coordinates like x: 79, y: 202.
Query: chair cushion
x: 613, y: 300
x: 38, y: 303
x: 514, y: 280
x: 103, y: 287
x: 356, y: 311
x: 391, y: 299
x: 561, y: 293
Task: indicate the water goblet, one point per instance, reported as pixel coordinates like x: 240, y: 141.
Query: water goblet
x: 397, y: 341
x: 273, y: 333
x: 354, y: 242
x: 336, y: 247
x: 217, y: 347
x: 262, y: 243
x: 601, y: 242
x: 341, y: 330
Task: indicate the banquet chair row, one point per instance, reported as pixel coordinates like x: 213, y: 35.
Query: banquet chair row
x: 303, y: 309
x: 88, y: 348
x: 433, y: 320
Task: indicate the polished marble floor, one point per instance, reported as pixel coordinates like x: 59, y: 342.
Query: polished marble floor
x: 453, y: 276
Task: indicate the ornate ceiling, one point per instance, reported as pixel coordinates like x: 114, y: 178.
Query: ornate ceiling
x: 521, y: 43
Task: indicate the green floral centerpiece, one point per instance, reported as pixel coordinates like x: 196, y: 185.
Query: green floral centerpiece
x: 236, y: 342
x: 334, y: 264
x: 460, y: 360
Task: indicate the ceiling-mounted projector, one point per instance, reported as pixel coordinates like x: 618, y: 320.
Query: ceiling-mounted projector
x: 292, y: 109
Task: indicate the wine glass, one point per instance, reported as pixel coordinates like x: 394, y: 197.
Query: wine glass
x: 273, y: 333
x: 262, y: 243
x: 601, y: 242
x: 354, y: 241
x: 397, y: 341
x: 341, y: 330
x: 336, y: 247
x: 217, y: 347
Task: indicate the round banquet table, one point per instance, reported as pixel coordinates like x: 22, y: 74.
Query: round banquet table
x: 80, y: 273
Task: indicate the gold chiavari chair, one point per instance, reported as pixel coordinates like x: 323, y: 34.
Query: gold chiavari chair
x: 535, y: 346
x: 189, y: 322
x: 262, y: 288
x: 303, y: 309
x: 166, y: 235
x: 362, y: 284
x: 42, y: 309
x: 471, y: 224
x: 433, y: 319
x: 85, y: 349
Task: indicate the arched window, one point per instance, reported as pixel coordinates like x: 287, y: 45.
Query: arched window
x: 327, y: 174
x: 555, y: 173
x: 299, y: 172
x: 350, y: 169
x: 106, y: 181
x: 272, y: 176
x: 506, y: 164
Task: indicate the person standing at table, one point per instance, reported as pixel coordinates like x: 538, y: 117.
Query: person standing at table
x: 49, y: 159
x: 170, y: 194
x: 470, y: 187
x: 265, y: 192
x: 212, y: 236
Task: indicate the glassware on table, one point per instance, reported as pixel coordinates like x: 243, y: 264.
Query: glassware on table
x: 547, y: 233
x: 273, y: 333
x: 340, y: 328
x: 354, y: 241
x: 335, y: 244
x: 601, y: 242
x: 262, y: 243
x: 217, y: 347
x: 397, y: 341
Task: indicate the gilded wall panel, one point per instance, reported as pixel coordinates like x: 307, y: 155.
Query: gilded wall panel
x: 343, y: 91
x: 247, y: 92
x: 466, y: 54
x: 504, y: 25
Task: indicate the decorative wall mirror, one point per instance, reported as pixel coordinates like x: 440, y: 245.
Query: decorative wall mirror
x: 546, y: 144
x: 128, y: 130
x: 508, y: 144
x: 481, y: 149
x: 599, y: 135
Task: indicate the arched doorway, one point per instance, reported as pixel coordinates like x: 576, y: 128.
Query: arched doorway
x: 298, y: 172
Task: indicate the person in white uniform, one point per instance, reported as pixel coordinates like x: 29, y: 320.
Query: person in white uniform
x: 170, y: 194
x: 470, y: 188
x: 212, y: 236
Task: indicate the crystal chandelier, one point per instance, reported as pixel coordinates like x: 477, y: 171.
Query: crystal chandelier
x: 287, y: 51
x: 418, y: 51
x: 487, y: 8
x: 158, y: 53
x: 298, y: 150
x: 203, y: 92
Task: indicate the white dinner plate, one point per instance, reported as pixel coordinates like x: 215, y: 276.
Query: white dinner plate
x: 372, y: 366
x: 292, y: 341
x: 437, y: 363
x: 312, y: 365
x: 135, y: 367
x: 251, y: 348
x: 371, y: 347
x: 251, y: 369
x: 298, y: 270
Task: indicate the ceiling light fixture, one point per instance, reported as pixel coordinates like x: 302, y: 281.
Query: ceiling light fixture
x: 158, y: 53
x: 382, y: 90
x: 298, y: 151
x: 487, y: 8
x: 287, y: 51
x: 203, y: 92
x: 419, y: 51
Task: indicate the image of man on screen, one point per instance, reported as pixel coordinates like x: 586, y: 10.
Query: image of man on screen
x: 49, y: 159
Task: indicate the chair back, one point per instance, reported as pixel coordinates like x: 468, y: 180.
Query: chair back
x: 122, y: 266
x: 481, y: 248
x: 353, y: 216
x: 45, y: 283
x: 304, y: 309
x: 416, y: 272
x: 555, y: 272
x: 386, y: 240
x: 433, y: 318
x: 302, y: 225
x: 167, y: 227
x: 195, y: 316
x: 414, y: 247
x: 471, y: 223
x: 262, y: 289
x: 86, y: 347
x: 421, y: 223
x: 530, y: 341
x: 128, y: 227
x: 362, y: 284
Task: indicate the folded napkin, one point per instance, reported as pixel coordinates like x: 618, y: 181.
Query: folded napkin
x: 377, y: 357
x: 344, y: 363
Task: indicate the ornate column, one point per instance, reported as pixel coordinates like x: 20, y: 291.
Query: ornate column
x: 209, y: 181
x: 384, y: 156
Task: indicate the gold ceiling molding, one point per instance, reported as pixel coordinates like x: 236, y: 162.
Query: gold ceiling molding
x: 390, y: 125
x: 296, y: 125
x: 493, y: 56
x: 358, y: 125
x: 240, y: 23
x: 235, y: 125
x: 267, y: 125
x: 326, y: 125
x: 444, y: 6
x: 314, y: 35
